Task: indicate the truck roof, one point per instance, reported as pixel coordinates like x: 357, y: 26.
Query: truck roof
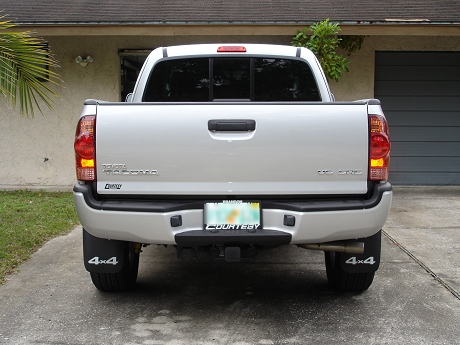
x: 248, y: 49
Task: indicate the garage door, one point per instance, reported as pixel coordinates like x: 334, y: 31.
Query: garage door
x: 420, y: 95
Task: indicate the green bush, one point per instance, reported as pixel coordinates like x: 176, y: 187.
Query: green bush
x: 324, y: 43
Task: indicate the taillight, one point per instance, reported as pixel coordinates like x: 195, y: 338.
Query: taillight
x: 85, y: 149
x: 379, y: 148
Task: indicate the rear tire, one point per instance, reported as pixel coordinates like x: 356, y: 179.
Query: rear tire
x: 123, y: 280
x: 343, y: 281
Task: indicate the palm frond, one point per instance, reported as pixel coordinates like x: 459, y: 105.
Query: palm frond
x: 25, y: 63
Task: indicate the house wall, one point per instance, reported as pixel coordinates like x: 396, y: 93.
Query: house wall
x: 359, y: 82
x: 39, y: 151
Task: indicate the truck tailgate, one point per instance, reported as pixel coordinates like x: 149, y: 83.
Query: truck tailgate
x: 295, y: 148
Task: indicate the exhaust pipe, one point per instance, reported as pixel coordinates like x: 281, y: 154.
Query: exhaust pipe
x: 350, y: 247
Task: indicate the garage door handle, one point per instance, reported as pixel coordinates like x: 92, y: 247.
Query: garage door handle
x: 231, y: 125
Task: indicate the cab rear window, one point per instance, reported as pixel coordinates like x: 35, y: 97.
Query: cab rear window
x: 227, y: 79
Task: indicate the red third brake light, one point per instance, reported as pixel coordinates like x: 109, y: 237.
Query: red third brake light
x: 231, y: 49
x: 379, y: 148
x: 85, y: 151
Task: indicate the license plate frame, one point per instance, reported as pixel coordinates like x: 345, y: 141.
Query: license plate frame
x: 232, y: 215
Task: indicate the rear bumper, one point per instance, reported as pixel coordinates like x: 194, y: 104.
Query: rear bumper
x: 315, y: 221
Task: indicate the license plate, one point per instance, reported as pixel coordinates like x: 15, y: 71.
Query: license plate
x: 232, y: 215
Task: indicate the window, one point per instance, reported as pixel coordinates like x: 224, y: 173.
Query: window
x: 231, y: 79
x: 214, y: 79
x: 284, y: 80
x: 179, y: 81
x: 131, y: 61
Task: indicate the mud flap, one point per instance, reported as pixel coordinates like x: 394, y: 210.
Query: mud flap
x: 367, y: 262
x: 101, y: 255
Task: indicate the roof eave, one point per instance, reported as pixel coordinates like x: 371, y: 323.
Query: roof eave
x: 278, y: 28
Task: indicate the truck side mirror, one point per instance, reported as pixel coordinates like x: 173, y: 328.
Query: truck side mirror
x: 129, y: 97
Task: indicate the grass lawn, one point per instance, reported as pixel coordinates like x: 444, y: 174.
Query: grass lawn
x: 28, y: 220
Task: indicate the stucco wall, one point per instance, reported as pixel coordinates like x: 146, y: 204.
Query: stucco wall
x: 359, y: 82
x: 39, y: 151
x: 25, y: 143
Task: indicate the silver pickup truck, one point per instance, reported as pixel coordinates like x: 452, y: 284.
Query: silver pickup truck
x: 226, y: 150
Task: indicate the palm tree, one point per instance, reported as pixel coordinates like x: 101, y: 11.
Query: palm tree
x: 25, y: 74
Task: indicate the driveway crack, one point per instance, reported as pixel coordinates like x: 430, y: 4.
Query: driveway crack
x: 425, y: 267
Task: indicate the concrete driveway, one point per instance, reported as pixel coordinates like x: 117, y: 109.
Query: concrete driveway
x: 281, y: 297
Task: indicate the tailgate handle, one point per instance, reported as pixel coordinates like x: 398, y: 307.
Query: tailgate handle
x: 231, y: 125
